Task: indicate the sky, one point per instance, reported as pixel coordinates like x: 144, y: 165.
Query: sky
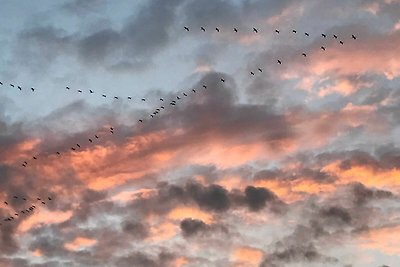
x: 296, y: 165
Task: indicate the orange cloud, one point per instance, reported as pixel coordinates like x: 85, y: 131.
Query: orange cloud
x: 44, y: 217
x: 79, y: 243
x: 246, y: 256
x: 181, y: 213
x: 385, y: 240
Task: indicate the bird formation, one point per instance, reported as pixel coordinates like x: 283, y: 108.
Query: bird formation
x: 17, y: 213
x: 303, y: 54
x: 75, y: 147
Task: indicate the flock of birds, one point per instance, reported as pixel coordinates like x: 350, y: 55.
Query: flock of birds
x: 26, y: 211
x: 173, y: 102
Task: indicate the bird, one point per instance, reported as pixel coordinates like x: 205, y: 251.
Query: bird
x: 5, y: 202
x: 194, y: 91
x: 186, y: 28
x: 341, y: 42
x: 157, y: 109
x: 260, y: 69
x: 173, y: 104
x: 112, y: 128
x: 217, y: 29
x: 19, y: 87
x: 252, y: 73
x: 1, y: 83
x: 12, y: 85
x: 203, y: 29
x: 235, y: 30
x: 353, y: 36
x: 112, y: 132
x: 90, y: 140
x: 91, y: 91
x: 49, y: 198
x: 73, y: 149
x: 204, y: 86
x: 306, y: 34
x: 79, y: 91
x: 34, y: 157
x: 116, y: 97
x: 78, y: 145
x: 151, y: 115
x: 24, y: 199
x: 67, y: 87
x: 38, y: 198
x: 323, y: 35
x: 279, y: 62
x: 15, y: 197
x: 96, y: 136
x: 277, y: 31
x: 323, y: 48
x: 44, y: 203
x: 103, y: 95
x: 222, y: 80
x: 255, y: 30
x: 294, y: 31
x: 162, y: 107
x: 184, y: 94
x: 177, y: 97
x: 58, y: 153
x: 161, y: 99
x: 129, y: 97
x: 140, y: 120
x: 33, y: 89
x: 23, y: 165
x: 335, y: 36
x: 304, y: 54
x: 143, y: 99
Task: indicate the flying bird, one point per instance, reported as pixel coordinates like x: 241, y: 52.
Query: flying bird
x: 1, y: 83
x: 260, y: 69
x: 143, y: 99
x: 162, y: 107
x: 194, y: 91
x: 12, y: 85
x: 252, y: 73
x: 186, y: 28
x: 294, y: 31
x: 222, y: 80
x: 116, y: 97
x: 306, y: 34
x: 67, y: 87
x: 203, y: 29
x: 90, y: 140
x: 279, y: 62
x: 78, y: 145
x: 323, y: 48
x: 217, y: 29
x: 19, y: 87
x: 323, y: 35
x: 34, y: 157
x: 33, y: 89
x: 161, y: 99
x: 177, y: 97
x: 103, y: 95
x: 304, y: 54
x: 91, y: 91
x: 80, y: 91
x: 353, y: 36
x: 235, y: 30
x: 58, y: 153
x: 255, y: 30
x: 335, y: 36
x: 140, y: 120
x: 129, y: 97
x: 72, y: 148
x: 204, y: 86
x: 5, y: 202
x: 96, y: 136
x: 341, y: 42
x: 277, y: 31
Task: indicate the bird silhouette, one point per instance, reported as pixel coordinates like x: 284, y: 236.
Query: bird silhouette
x: 353, y: 36
x: 341, y: 42
x: 78, y: 145
x: 204, y: 86
x: 90, y: 140
x: 252, y: 73
x: 143, y: 99
x: 129, y: 97
x: 255, y: 30
x: 161, y: 99
x: 222, y: 80
x: 103, y: 95
x: 72, y: 148
x: 12, y: 85
x: 96, y: 136
x: 235, y: 30
x: 279, y: 62
x: 91, y: 91
x: 335, y: 36
x: 194, y: 91
x: 67, y: 87
x: 323, y: 48
x: 304, y: 54
x: 184, y: 94
x: 260, y: 70
x: 294, y: 31
x: 58, y: 153
x: 79, y: 91
x: 19, y: 87
x: 178, y: 97
x: 203, y: 29
x: 1, y: 83
x: 277, y: 31
x: 306, y: 34
x: 323, y: 35
x: 217, y: 29
x: 34, y: 157
x: 33, y: 89
x: 115, y: 97
x: 140, y: 120
x: 186, y: 28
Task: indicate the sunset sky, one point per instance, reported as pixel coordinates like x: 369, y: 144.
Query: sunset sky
x: 296, y: 165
